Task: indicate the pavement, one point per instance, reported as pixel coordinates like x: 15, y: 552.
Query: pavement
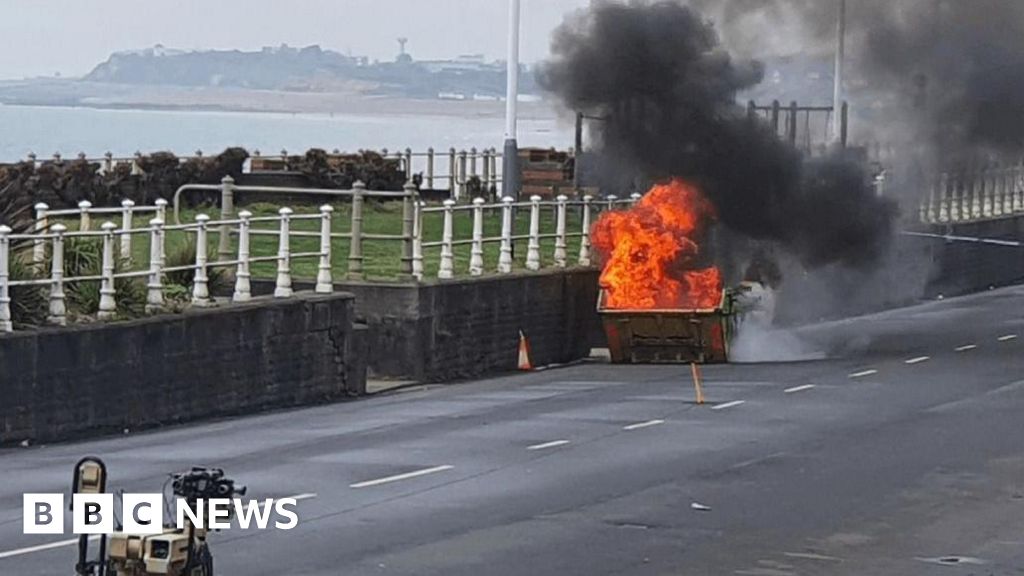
x: 899, y: 451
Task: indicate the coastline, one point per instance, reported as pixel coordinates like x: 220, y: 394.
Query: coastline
x: 98, y: 96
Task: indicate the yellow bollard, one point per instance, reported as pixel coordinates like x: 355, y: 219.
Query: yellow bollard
x: 697, y: 383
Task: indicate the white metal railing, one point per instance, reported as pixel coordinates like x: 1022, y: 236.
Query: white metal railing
x: 993, y: 192
x: 56, y: 235
x: 85, y: 212
x: 356, y: 236
x: 51, y: 233
x: 506, y: 208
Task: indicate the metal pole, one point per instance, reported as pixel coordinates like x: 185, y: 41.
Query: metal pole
x: 510, y: 171
x: 837, y: 94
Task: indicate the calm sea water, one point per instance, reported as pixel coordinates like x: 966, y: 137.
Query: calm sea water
x: 45, y: 130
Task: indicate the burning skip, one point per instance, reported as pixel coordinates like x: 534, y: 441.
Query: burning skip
x: 661, y: 301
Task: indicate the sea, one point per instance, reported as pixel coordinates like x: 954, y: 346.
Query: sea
x: 45, y: 130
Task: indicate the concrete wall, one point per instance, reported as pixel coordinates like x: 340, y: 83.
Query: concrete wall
x: 62, y: 383
x: 962, y: 267
x: 438, y: 331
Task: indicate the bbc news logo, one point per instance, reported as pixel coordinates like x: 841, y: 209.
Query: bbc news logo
x: 144, y: 513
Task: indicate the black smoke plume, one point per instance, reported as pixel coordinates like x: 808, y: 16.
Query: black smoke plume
x: 946, y: 73
x: 658, y: 75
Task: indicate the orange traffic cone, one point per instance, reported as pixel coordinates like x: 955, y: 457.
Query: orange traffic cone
x: 524, y: 353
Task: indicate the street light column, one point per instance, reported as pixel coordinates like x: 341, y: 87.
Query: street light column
x: 510, y: 160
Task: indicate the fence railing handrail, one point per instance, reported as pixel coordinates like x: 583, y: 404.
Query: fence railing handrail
x: 58, y: 233
x: 973, y: 195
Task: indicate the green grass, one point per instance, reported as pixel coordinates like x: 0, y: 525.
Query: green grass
x: 381, y: 258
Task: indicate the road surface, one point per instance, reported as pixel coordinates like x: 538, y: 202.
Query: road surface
x: 901, y: 453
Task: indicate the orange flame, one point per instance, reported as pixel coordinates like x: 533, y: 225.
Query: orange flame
x: 650, y: 253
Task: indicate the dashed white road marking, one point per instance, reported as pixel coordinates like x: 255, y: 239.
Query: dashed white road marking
x: 42, y: 547
x: 640, y: 425
x: 305, y: 496
x: 545, y: 445
x: 966, y: 347
x: 1008, y: 337
x: 812, y: 556
x: 863, y: 373
x: 796, y: 389
x: 732, y: 404
x: 398, y: 477
x: 918, y: 360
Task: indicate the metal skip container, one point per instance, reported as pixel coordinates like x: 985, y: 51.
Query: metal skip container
x: 668, y: 336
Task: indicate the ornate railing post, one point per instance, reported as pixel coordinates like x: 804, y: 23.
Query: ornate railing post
x: 417, y: 241
x: 612, y: 199
x: 987, y: 194
x: 955, y: 198
x: 584, y: 259
x: 39, y: 244
x: 560, y: 245
x: 430, y: 169
x: 505, y: 256
x: 533, y: 244
x: 201, y: 279
x: 1018, y: 185
x: 5, y: 275
x: 473, y: 155
x: 408, y: 163
x: 485, y: 178
x: 58, y: 310
x: 452, y: 173
x: 975, y: 193
x: 476, y: 252
x: 127, y: 208
x: 243, y: 288
x: 283, y: 288
x: 355, y: 251
x: 494, y: 169
x: 108, y: 291
x: 634, y: 198
x: 227, y: 212
x: 161, y: 209
x: 108, y: 162
x: 155, y: 288
x: 324, y: 278
x: 447, y: 267
x: 84, y: 220
x: 460, y: 191
x: 408, y: 229
x: 944, y: 200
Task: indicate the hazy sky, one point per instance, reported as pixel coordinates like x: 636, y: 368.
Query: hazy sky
x: 41, y: 37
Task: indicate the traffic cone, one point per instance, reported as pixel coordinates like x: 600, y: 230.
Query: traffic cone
x: 524, y: 353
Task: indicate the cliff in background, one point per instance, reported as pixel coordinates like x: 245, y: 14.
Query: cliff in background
x: 309, y: 69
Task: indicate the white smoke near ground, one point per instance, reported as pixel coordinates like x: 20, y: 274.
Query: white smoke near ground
x: 755, y: 340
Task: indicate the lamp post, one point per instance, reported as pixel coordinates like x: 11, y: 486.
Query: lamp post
x: 510, y: 161
x: 837, y: 95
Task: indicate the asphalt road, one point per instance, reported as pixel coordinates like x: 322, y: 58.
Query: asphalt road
x: 901, y: 453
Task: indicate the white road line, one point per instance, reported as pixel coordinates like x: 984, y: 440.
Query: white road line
x: 300, y: 497
x: 812, y: 556
x: 796, y: 389
x: 647, y: 424
x: 918, y: 360
x: 399, y: 477
x: 966, y: 347
x: 42, y: 547
x: 863, y: 373
x: 729, y: 405
x: 548, y: 445
x: 1008, y: 337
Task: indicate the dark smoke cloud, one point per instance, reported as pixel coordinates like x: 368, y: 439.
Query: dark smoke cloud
x: 657, y: 73
x: 946, y: 73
